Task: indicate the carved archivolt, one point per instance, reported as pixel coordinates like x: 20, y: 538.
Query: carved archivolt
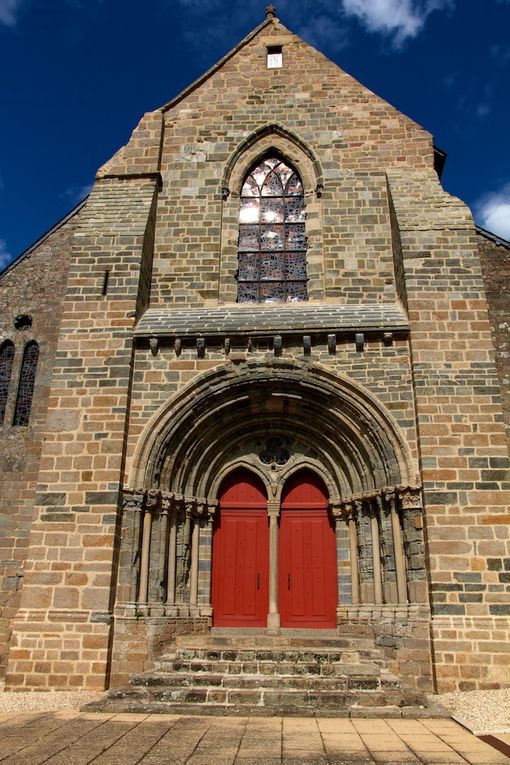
x: 274, y: 418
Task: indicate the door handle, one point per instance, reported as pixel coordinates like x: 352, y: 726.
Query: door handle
x: 258, y: 581
x: 288, y: 581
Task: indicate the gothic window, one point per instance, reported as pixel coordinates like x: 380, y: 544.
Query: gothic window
x: 272, y: 240
x: 26, y: 384
x: 6, y: 359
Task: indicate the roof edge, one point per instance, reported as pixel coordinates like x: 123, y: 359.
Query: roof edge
x: 74, y: 211
x: 214, y: 68
x: 493, y: 237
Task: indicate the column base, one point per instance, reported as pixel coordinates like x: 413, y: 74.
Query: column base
x: 273, y: 624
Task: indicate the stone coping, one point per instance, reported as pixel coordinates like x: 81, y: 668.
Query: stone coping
x: 269, y: 319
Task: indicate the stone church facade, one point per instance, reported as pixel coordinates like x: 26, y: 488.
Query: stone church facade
x: 250, y: 382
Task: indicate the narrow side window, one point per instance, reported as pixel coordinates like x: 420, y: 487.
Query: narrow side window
x: 26, y: 384
x: 6, y: 360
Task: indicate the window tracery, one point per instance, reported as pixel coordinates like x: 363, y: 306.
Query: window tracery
x: 26, y: 384
x: 272, y: 240
x: 6, y: 361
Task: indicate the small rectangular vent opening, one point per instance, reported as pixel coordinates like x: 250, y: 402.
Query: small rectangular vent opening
x: 274, y: 57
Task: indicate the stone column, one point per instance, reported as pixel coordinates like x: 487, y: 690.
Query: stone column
x: 129, y: 571
x: 207, y: 511
x: 353, y: 551
x: 414, y: 543
x: 376, y: 553
x: 343, y: 563
x: 398, y: 549
x: 143, y: 589
x: 387, y: 552
x: 171, y: 556
x: 273, y: 617
x: 195, y: 542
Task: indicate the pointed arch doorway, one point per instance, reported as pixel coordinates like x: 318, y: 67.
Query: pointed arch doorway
x: 308, y: 589
x: 240, y: 570
x: 304, y: 571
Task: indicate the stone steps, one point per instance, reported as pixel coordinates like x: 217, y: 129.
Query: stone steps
x: 259, y: 697
x: 239, y: 668
x: 273, y: 642
x: 268, y: 682
x: 223, y: 710
x: 232, y: 673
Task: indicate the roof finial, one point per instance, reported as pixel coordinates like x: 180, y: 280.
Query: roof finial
x: 270, y: 12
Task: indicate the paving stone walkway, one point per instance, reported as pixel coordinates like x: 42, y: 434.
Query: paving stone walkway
x: 73, y: 738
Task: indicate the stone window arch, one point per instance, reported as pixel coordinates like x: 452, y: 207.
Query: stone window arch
x: 26, y: 384
x: 6, y: 362
x: 272, y: 240
x: 271, y: 142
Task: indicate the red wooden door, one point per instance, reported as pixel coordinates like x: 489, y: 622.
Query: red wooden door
x: 240, y: 568
x: 307, y: 556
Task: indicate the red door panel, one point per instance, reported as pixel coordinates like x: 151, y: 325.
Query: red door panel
x: 307, y: 556
x: 240, y: 570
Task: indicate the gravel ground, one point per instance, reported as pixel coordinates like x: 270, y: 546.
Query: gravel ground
x: 483, y: 712
x: 41, y: 701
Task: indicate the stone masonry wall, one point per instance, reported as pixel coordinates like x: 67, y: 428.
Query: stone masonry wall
x: 353, y: 136
x: 33, y: 287
x: 352, y: 133
x: 61, y: 632
x: 463, y: 449
x: 495, y: 260
x: 384, y: 370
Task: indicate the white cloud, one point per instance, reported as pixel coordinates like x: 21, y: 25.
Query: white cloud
x: 400, y: 19
x: 493, y: 211
x: 8, y: 10
x: 5, y: 257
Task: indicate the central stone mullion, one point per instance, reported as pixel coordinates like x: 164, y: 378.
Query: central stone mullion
x: 273, y: 617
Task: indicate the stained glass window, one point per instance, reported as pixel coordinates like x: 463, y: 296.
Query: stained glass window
x: 6, y: 359
x: 272, y: 239
x: 26, y: 384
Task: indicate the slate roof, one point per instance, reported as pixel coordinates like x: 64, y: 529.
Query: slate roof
x: 264, y: 319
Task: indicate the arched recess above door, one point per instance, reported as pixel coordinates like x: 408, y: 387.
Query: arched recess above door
x: 224, y: 418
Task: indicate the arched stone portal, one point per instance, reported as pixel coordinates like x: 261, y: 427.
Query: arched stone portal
x: 275, y: 420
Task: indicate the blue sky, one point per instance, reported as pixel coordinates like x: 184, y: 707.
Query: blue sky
x: 78, y: 74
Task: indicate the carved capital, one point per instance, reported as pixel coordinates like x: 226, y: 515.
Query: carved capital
x: 212, y: 507
x: 153, y: 500
x: 132, y: 500
x: 337, y: 510
x: 349, y: 511
x: 168, y: 503
x: 410, y: 497
x: 390, y: 497
x: 190, y: 507
x: 201, y: 508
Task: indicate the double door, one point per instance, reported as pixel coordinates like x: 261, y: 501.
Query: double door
x: 306, y: 572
